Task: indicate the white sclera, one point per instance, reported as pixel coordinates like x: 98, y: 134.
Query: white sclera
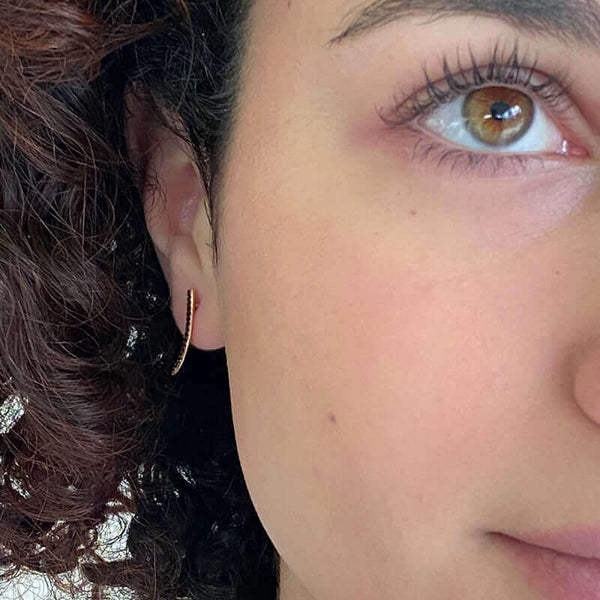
x: 542, y: 136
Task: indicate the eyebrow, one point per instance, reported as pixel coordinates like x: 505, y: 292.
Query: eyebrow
x: 568, y: 20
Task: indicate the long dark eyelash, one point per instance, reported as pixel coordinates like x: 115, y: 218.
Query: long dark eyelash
x: 553, y: 90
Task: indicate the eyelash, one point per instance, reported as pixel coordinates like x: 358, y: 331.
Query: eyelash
x: 553, y: 91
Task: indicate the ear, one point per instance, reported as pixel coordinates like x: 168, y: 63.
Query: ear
x: 175, y: 208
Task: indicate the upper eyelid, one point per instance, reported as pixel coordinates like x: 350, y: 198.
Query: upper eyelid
x: 551, y: 91
x: 511, y: 71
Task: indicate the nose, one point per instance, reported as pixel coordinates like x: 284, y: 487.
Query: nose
x: 587, y: 382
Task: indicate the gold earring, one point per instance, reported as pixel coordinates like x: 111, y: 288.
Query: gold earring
x: 188, y: 332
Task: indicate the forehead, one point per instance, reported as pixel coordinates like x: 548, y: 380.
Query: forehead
x: 299, y: 23
x: 289, y: 50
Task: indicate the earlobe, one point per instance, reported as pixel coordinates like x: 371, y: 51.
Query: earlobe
x: 188, y: 267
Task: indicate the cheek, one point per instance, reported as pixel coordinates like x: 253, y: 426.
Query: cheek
x: 366, y: 393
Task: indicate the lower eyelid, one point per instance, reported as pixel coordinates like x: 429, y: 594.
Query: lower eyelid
x: 447, y: 160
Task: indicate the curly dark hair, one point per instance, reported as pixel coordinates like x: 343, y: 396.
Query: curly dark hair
x: 88, y: 337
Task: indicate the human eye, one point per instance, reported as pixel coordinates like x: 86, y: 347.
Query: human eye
x: 490, y: 118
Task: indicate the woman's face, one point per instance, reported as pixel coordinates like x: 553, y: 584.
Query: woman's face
x: 411, y: 312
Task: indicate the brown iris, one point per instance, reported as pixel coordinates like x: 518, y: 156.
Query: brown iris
x: 498, y: 115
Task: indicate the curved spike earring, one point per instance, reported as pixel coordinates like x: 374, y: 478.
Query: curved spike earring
x: 188, y: 332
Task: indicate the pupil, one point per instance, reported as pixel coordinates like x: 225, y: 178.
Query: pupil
x: 501, y: 110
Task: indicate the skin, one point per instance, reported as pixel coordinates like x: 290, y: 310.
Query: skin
x: 414, y: 354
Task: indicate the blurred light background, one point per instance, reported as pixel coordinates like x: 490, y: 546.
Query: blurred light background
x: 111, y: 543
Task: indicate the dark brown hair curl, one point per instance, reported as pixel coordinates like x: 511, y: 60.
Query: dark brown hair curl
x: 94, y: 424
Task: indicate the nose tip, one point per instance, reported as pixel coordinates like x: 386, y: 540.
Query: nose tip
x: 587, y: 382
